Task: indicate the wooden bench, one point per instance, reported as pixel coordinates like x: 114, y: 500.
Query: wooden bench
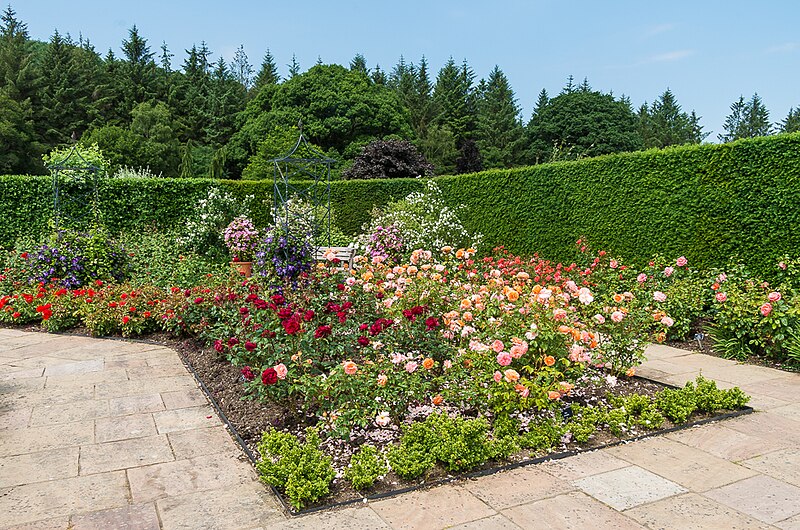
x: 344, y: 254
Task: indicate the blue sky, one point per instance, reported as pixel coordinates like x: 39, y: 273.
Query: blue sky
x: 709, y: 52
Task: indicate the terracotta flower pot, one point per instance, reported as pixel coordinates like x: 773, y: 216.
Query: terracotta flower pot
x: 244, y: 268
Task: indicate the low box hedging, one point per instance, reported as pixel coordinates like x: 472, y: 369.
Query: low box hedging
x: 709, y: 202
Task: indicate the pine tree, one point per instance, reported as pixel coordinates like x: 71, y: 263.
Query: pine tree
x: 791, y: 123
x: 241, y: 70
x: 499, y: 130
x: 268, y: 73
x: 294, y: 67
x: 165, y: 60
x: 746, y: 120
x: 454, y: 99
x: 378, y: 76
x: 570, y: 86
x: 137, y: 73
x: 734, y: 122
x: 359, y: 64
x: 664, y: 123
x: 541, y: 102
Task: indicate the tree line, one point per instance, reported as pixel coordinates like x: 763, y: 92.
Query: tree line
x: 228, y: 119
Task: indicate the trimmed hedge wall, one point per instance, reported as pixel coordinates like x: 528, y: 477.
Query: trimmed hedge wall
x: 707, y: 202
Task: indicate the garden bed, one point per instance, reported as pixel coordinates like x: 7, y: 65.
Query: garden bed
x: 247, y: 419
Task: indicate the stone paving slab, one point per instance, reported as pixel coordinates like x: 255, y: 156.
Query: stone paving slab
x: 111, y: 434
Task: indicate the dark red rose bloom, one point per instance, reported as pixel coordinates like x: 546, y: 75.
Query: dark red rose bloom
x: 219, y: 346
x: 248, y: 374
x: 336, y: 261
x: 308, y: 316
x: 250, y: 346
x: 278, y: 299
x: 332, y: 307
x: 233, y: 341
x: 251, y: 297
x: 431, y: 323
x: 419, y: 309
x: 269, y: 376
x: 340, y: 286
x: 342, y: 317
x: 346, y: 306
x: 232, y: 296
x: 259, y: 303
x: 243, y: 310
x: 363, y: 327
x: 291, y: 326
x: 363, y: 341
x: 379, y: 295
x: 285, y: 313
x: 409, y: 314
x: 322, y: 331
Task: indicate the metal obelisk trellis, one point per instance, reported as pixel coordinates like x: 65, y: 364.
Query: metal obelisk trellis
x: 303, y: 173
x: 75, y: 192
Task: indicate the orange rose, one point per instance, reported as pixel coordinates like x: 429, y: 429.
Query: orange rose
x: 549, y: 360
x: 382, y: 380
x: 350, y: 367
x: 631, y: 372
x: 554, y: 395
x: 437, y: 399
x: 428, y: 363
x: 512, y: 295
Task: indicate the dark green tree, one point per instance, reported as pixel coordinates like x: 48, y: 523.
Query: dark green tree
x: 378, y: 76
x: 791, y: 123
x: 136, y: 73
x: 747, y: 120
x: 294, y: 67
x: 21, y: 151
x: 582, y: 124
x: 454, y: 99
x: 241, y: 69
x: 499, y: 131
x: 359, y: 64
x: 664, y: 123
x: 268, y: 73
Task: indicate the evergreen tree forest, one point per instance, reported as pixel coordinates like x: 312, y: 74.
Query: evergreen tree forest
x: 210, y: 117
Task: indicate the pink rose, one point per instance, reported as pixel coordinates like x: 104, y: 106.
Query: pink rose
x: 766, y: 309
x: 350, y: 368
x: 613, y: 264
x: 504, y: 358
x: 721, y: 297
x: 668, y: 271
x: 667, y: 321
x: 281, y: 370
x: 682, y: 261
x: 774, y: 296
x: 518, y: 350
x: 498, y: 346
x: 498, y: 376
x: 411, y: 366
x: 600, y: 319
x: 658, y: 296
x: 617, y: 316
x: 641, y: 278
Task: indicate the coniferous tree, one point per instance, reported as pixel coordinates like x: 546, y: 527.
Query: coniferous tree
x: 791, y: 123
x: 664, y: 123
x: 378, y: 76
x: 454, y: 99
x: 268, y: 73
x: 294, y: 67
x: 499, y: 130
x: 746, y: 120
x: 165, y: 60
x: 137, y: 72
x: 241, y: 69
x: 359, y: 64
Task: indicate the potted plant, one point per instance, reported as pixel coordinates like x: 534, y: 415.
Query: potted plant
x: 241, y: 238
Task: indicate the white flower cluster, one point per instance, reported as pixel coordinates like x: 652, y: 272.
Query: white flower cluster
x: 205, y: 227
x: 425, y: 221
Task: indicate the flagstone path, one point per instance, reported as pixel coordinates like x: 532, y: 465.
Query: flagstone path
x: 107, y: 434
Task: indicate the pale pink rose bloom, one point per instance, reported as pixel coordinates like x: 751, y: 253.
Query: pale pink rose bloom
x: 544, y: 294
x: 571, y: 286
x: 559, y: 314
x: 383, y: 379
x: 617, y: 316
x: 774, y: 296
x: 447, y: 364
x: 504, y: 358
x: 668, y: 271
x: 383, y: 419
x: 281, y: 370
x: 398, y: 358
x: 600, y: 319
x: 667, y: 321
x: 438, y: 267
x: 722, y: 277
x: 518, y: 350
x: 512, y: 376
x: 498, y: 376
x: 721, y: 297
x: 577, y: 349
x: 641, y: 278
x: 680, y: 262
x: 498, y: 346
x: 658, y: 296
x: 494, y: 273
x: 448, y: 335
x: 573, y: 357
x: 766, y: 309
x: 411, y: 366
x: 350, y: 281
x: 585, y: 296
x: 613, y: 264
x: 525, y: 392
x: 531, y: 335
x: 782, y: 265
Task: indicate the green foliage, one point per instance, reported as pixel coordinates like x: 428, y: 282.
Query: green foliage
x: 366, y: 465
x: 80, y: 156
x: 542, y: 435
x: 300, y: 470
x: 679, y: 404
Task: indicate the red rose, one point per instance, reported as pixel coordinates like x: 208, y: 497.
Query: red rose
x: 24, y: 255
x: 269, y: 376
x: 218, y: 346
x: 340, y: 286
x: 250, y: 346
x: 363, y: 341
x: 363, y: 327
x: 285, y: 313
x: 308, y: 316
x: 126, y: 319
x: 278, y: 299
x: 198, y: 300
x: 15, y: 314
x: 431, y: 323
x: 322, y: 331
x: 147, y: 314
x: 291, y: 326
x: 233, y: 341
x: 248, y: 374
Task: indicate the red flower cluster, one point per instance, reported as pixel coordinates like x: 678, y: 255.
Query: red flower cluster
x: 322, y: 332
x: 269, y: 376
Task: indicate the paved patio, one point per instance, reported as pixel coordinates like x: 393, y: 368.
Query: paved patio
x: 102, y: 434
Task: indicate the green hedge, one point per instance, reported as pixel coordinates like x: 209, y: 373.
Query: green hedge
x: 708, y: 202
